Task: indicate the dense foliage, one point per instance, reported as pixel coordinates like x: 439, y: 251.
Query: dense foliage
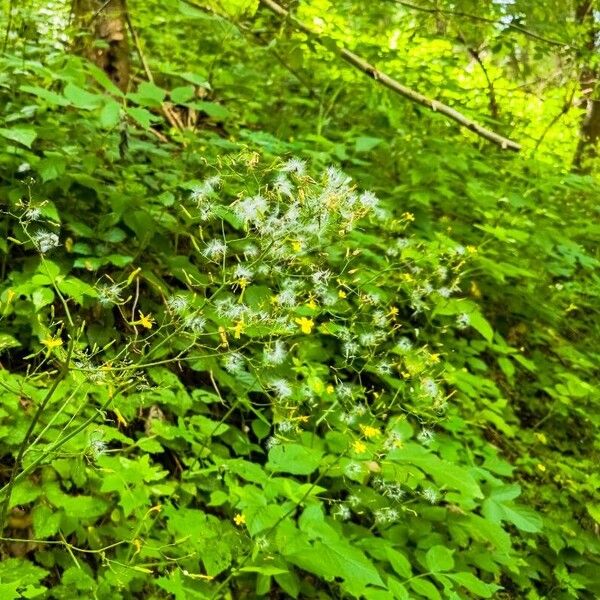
x: 268, y: 329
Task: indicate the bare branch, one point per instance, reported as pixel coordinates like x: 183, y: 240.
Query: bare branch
x: 527, y: 32
x: 394, y: 85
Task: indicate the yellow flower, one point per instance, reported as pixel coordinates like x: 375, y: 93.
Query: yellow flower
x: 342, y: 294
x: 311, y: 303
x: 238, y: 329
x: 542, y: 468
x: 359, y: 447
x: 120, y: 418
x: 51, y: 342
x: 239, y: 519
x: 471, y: 249
x: 408, y: 216
x: 393, y: 311
x: 434, y: 358
x: 306, y: 325
x: 297, y: 245
x: 370, y: 432
x: 330, y: 389
x: 475, y: 291
x: 145, y: 321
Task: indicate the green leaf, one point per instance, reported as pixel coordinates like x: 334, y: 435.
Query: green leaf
x: 182, y: 94
x: 443, y: 472
x: 480, y: 324
x: 193, y: 13
x: 498, y: 506
x: 331, y: 559
x: 48, y: 95
x: 110, y: 115
x: 475, y: 585
x: 22, y: 135
x: 141, y: 116
x: 42, y: 297
x: 46, y: 522
x: 52, y: 167
x: 397, y: 589
x: 425, y: 588
x: 148, y: 94
x: 594, y: 510
x: 293, y: 458
x: 366, y: 144
x: 212, y: 109
x: 264, y: 570
x: 8, y: 341
x: 439, y: 558
x: 399, y: 562
x: 81, y: 98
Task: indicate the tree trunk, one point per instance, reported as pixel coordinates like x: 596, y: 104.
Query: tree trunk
x: 103, y: 37
x: 589, y: 132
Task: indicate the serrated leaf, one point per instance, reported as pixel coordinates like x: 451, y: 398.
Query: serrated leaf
x: 140, y: 115
x: 332, y: 559
x: 81, y: 98
x: 443, y: 472
x: 110, y: 115
x: 148, y: 94
x: 293, y: 458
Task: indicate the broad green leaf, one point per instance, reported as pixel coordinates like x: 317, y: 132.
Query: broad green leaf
x: 443, y: 472
x: 212, y: 109
x: 22, y: 135
x: 475, y: 585
x: 81, y: 98
x: 425, y: 588
x: 479, y: 323
x: 52, y: 167
x: 49, y: 96
x: 594, y: 510
x: 399, y: 562
x: 148, y: 94
x: 179, y: 95
x: 110, y: 114
x: 439, y: 558
x: 140, y: 115
x: 365, y: 143
x: 8, y: 341
x: 332, y: 559
x: 293, y: 458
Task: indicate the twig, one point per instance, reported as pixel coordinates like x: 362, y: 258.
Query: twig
x: 394, y: 85
x: 526, y: 32
x: 8, y: 25
x: 170, y: 115
x: 564, y: 110
x: 475, y: 53
x: 23, y: 446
